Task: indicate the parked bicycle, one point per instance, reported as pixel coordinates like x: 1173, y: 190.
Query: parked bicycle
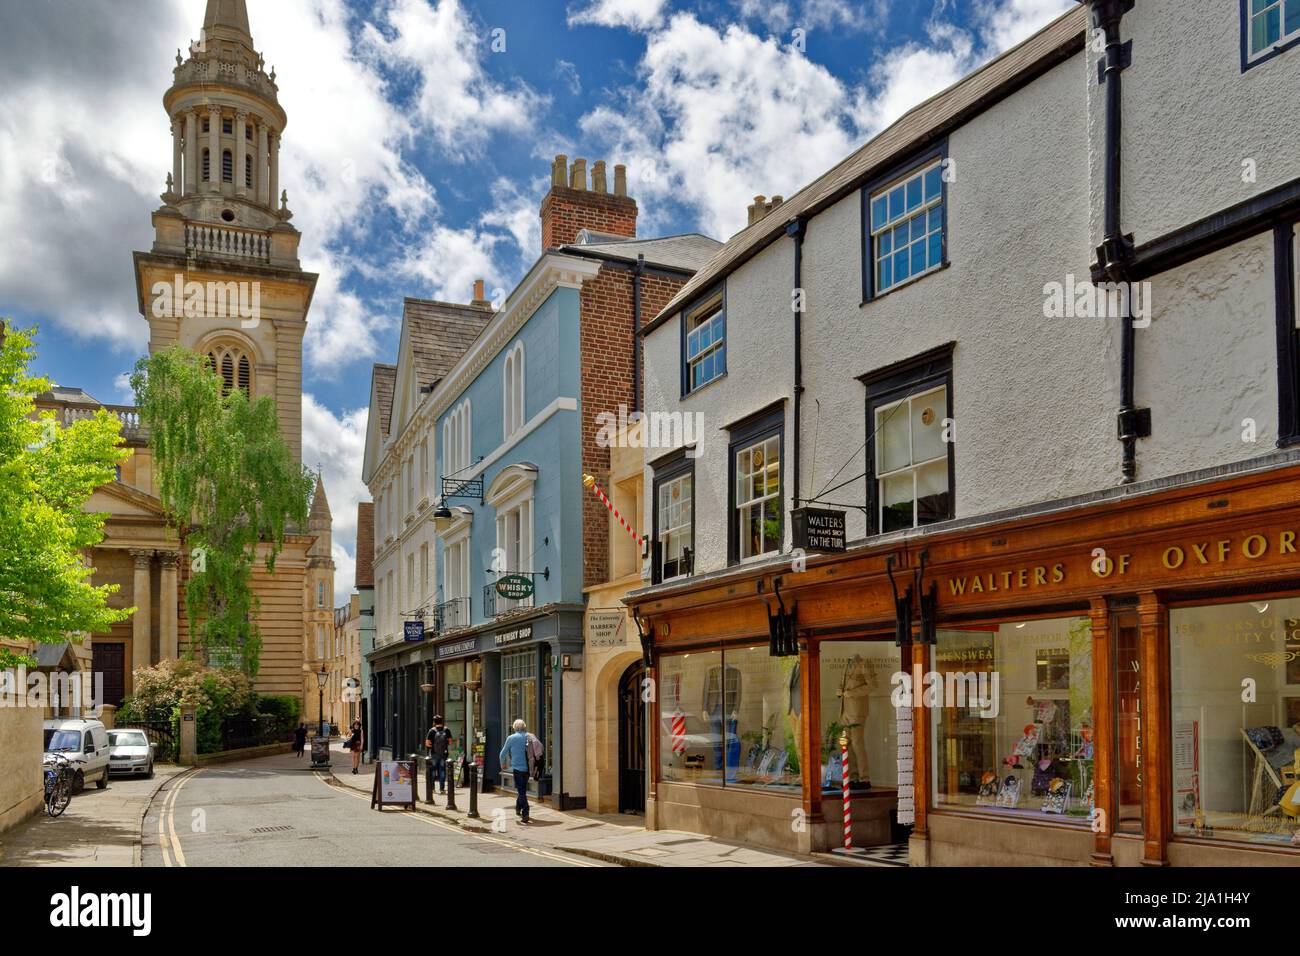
x: 58, y: 783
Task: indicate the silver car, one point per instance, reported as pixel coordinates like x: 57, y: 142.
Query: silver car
x: 129, y: 751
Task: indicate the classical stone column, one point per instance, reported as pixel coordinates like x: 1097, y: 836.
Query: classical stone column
x: 260, y: 166
x: 214, y: 148
x: 141, y: 632
x: 275, y: 171
x: 177, y: 168
x: 191, y: 152
x: 168, y: 645
x: 241, y: 152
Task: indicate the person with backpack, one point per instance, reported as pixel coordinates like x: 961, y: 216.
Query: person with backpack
x: 522, y: 755
x: 438, y: 740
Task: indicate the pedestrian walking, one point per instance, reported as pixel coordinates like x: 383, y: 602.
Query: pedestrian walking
x: 300, y: 739
x: 522, y: 753
x: 438, y: 740
x: 355, y: 742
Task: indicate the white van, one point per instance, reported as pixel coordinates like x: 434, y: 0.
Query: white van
x: 85, y: 743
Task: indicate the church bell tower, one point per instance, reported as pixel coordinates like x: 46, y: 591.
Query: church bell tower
x: 223, y: 276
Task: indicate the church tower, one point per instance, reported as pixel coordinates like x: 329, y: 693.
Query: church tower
x: 223, y: 276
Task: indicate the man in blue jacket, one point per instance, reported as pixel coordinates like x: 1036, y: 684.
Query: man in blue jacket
x: 514, y: 755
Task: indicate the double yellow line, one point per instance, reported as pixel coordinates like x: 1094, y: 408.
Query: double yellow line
x: 167, y: 819
x: 452, y: 828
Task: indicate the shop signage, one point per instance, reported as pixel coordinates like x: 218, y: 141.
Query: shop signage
x: 817, y: 529
x: 515, y: 636
x: 394, y: 784
x: 456, y: 648
x: 606, y: 629
x: 413, y: 630
x: 515, y: 587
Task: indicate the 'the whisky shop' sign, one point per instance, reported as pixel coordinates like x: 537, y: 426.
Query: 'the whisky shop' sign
x: 1163, y: 560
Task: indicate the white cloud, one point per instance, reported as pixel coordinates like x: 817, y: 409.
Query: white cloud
x: 713, y: 118
x: 1004, y: 23
x: 456, y: 100
x: 632, y: 14
x: 336, y: 443
x: 567, y: 73
x: 911, y: 74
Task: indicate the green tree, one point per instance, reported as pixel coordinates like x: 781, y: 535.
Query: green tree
x: 47, y: 474
x: 229, y: 484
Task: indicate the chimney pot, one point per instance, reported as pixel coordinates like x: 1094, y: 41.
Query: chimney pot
x: 598, y: 183
x: 559, y: 170
x: 578, y: 174
x: 478, y: 290
x: 620, y: 179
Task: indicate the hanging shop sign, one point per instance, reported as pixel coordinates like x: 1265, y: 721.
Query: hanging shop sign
x: 606, y: 629
x: 818, y: 529
x: 514, y: 637
x: 413, y: 630
x: 515, y: 587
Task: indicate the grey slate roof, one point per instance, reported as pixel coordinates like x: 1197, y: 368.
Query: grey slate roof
x: 922, y: 124
x: 686, y: 253
x: 385, y: 378
x: 439, y: 334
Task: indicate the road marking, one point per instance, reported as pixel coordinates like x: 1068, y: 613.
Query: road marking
x: 167, y: 819
x: 451, y: 827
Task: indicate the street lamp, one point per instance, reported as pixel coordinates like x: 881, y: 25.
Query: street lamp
x: 322, y: 676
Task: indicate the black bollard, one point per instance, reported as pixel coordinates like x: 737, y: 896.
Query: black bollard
x: 451, y: 784
x: 428, y: 780
x: 473, y: 790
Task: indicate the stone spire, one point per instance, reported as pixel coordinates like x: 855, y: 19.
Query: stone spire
x: 320, y: 506
x: 227, y: 19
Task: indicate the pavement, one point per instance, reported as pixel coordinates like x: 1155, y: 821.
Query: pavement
x: 99, y: 827
x: 605, y: 837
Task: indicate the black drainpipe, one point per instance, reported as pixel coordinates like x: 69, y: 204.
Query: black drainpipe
x: 636, y: 332
x: 1115, y: 254
x: 796, y: 230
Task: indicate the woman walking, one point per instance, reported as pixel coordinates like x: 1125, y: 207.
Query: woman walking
x: 355, y: 743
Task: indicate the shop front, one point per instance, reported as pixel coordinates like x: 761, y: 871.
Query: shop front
x: 1110, y: 682
x: 468, y: 701
x: 400, y: 707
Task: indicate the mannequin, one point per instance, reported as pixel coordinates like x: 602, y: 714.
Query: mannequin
x: 855, y: 708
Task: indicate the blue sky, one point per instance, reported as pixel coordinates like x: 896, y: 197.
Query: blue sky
x: 416, y: 155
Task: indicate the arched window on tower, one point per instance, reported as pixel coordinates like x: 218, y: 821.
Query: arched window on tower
x: 227, y: 167
x: 207, y: 166
x: 234, y: 368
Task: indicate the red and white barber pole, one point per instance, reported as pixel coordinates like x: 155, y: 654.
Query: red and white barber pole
x: 679, y: 732
x: 590, y: 482
x: 848, y: 811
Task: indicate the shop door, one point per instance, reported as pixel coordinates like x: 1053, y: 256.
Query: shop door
x: 631, y: 741
x: 110, y: 660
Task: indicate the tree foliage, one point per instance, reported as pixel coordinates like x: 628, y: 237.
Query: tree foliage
x: 47, y: 474
x: 229, y: 483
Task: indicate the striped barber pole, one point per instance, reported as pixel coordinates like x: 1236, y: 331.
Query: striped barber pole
x: 848, y: 813
x: 679, y: 732
x: 590, y: 482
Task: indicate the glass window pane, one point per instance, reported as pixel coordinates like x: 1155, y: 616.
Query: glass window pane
x: 896, y: 202
x: 1233, y: 762
x: 879, y: 212
x: 893, y: 450
x: 855, y: 701
x: 933, y: 183
x: 900, y: 265
x: 885, y: 242
x: 936, y: 248
x: 932, y: 493
x: 915, y: 194
x: 918, y: 256
x: 896, y: 502
x: 936, y: 218
x: 1029, y: 753
x: 927, y: 415
x: 1292, y: 16
x: 885, y: 273
x: 763, y: 740
x: 902, y: 234
x: 1257, y: 5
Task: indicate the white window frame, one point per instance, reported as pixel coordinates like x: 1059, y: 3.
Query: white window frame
x: 1283, y: 38
x: 456, y: 435
x: 743, y: 507
x: 892, y: 222
x: 512, y: 391
x: 684, y: 529
x: 914, y: 466
x: 714, y: 314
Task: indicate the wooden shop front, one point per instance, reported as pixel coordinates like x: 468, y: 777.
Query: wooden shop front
x: 1109, y: 682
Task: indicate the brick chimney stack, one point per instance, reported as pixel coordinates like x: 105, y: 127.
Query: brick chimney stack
x: 761, y: 206
x: 572, y: 206
x: 480, y: 295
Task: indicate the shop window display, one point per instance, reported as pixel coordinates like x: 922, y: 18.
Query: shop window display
x: 1235, y: 689
x: 856, y: 687
x: 1020, y: 743
x: 730, y: 718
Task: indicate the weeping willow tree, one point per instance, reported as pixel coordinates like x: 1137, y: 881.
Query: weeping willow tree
x: 229, y: 483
